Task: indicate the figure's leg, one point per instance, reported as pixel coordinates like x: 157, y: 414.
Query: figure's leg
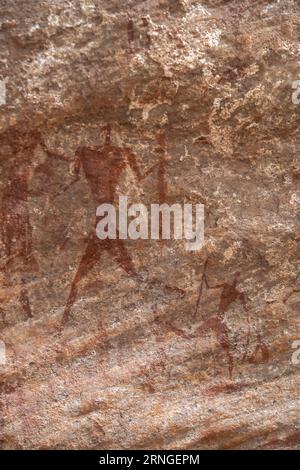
x: 25, y: 304
x: 23, y: 297
x: 90, y: 257
x: 3, y: 316
x: 243, y: 301
x: 121, y: 255
x: 175, y: 289
x: 204, y: 281
x: 217, y: 325
x: 199, y: 295
x: 223, y: 337
x: 262, y: 349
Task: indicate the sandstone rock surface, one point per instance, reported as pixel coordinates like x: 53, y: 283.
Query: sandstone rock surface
x: 141, y: 344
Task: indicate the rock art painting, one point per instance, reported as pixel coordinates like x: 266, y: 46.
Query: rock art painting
x: 137, y: 342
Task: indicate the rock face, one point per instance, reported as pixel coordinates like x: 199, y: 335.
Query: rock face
x: 140, y: 344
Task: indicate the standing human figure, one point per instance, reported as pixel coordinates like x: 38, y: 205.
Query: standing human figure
x: 229, y: 294
x: 102, y: 166
x: 17, y: 259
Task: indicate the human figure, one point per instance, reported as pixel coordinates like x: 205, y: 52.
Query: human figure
x: 216, y: 324
x: 17, y: 259
x: 229, y: 294
x: 102, y: 166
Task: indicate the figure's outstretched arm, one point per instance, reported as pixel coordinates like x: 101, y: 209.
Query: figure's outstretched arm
x: 204, y: 281
x: 217, y: 286
x: 75, y: 174
x: 131, y: 158
x: 135, y: 168
x: 62, y: 157
x: 53, y: 154
x: 150, y: 170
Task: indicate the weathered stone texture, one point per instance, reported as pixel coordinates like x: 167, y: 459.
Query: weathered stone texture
x: 158, y: 347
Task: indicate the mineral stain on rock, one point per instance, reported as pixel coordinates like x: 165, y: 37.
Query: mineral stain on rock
x: 140, y: 344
